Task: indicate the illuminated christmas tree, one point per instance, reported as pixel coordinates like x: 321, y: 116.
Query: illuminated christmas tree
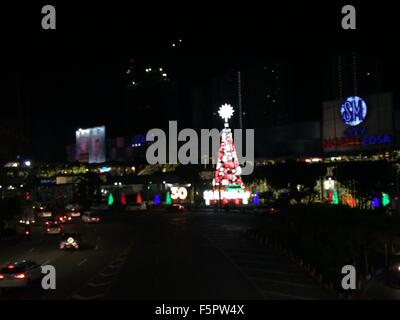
x: 227, y: 183
x: 168, y: 199
x: 110, y: 200
x: 139, y: 198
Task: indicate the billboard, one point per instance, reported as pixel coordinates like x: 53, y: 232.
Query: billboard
x: 358, y: 124
x: 90, y: 145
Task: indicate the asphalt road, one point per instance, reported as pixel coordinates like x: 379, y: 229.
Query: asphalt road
x: 157, y: 255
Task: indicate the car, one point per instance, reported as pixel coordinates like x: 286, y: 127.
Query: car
x: 27, y: 221
x: 272, y: 209
x: 98, y: 207
x: 50, y: 222
x: 136, y: 207
x: 42, y: 211
x: 64, y: 218
x: 90, y: 217
x: 19, y: 274
x: 175, y: 208
x: 70, y: 240
x: 53, y: 228
x: 73, y: 210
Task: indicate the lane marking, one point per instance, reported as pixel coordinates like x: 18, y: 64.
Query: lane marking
x: 293, y: 284
x: 96, y: 285
x: 274, y: 293
x: 272, y: 271
x: 82, y: 262
x: 108, y: 274
x: 238, y: 268
x: 265, y: 263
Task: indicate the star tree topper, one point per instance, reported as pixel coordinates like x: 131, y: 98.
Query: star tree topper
x: 225, y: 112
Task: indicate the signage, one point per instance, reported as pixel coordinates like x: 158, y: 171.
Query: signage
x: 353, y: 111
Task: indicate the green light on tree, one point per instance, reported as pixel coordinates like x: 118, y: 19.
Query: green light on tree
x: 110, y: 199
x: 335, y: 199
x: 385, y: 199
x: 168, y: 198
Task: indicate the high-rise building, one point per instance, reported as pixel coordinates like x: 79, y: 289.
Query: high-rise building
x: 261, y: 96
x: 351, y: 73
x: 14, y: 120
x: 152, y: 99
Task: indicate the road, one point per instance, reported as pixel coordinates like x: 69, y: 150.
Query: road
x: 383, y: 287
x: 157, y: 255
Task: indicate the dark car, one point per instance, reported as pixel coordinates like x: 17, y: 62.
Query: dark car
x: 175, y: 208
x: 19, y: 274
x: 272, y: 208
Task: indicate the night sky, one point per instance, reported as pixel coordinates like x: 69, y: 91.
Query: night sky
x: 74, y: 76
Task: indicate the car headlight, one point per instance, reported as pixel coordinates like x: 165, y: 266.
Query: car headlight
x: 70, y: 240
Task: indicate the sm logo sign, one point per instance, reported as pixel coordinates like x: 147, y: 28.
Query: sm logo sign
x: 353, y: 111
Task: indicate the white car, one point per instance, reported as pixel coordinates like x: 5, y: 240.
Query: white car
x: 19, y: 274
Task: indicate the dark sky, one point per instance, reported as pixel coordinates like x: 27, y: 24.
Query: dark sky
x: 74, y: 76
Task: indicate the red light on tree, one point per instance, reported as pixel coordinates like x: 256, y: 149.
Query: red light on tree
x: 123, y: 199
x: 27, y: 196
x: 139, y: 198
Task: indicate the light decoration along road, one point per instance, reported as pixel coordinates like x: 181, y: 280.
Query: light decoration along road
x: 227, y: 185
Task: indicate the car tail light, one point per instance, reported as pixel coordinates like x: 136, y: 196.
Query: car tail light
x: 1, y: 277
x: 48, y: 229
x: 20, y: 276
x: 26, y: 232
x: 69, y: 218
x: 10, y: 266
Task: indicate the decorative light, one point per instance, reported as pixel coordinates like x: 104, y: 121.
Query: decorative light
x: 27, y: 163
x: 123, y: 199
x: 157, y: 199
x: 168, y: 200
x: 139, y: 198
x: 110, y: 199
x: 179, y: 193
x: 385, y: 199
x: 225, y: 112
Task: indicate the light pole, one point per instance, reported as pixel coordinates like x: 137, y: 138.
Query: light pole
x: 397, y: 166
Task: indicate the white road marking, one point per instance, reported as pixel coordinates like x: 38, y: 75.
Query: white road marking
x: 271, y: 271
x: 79, y: 297
x: 82, y: 262
x: 96, y: 285
x: 286, y: 295
x: 107, y: 274
x: 294, y: 284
